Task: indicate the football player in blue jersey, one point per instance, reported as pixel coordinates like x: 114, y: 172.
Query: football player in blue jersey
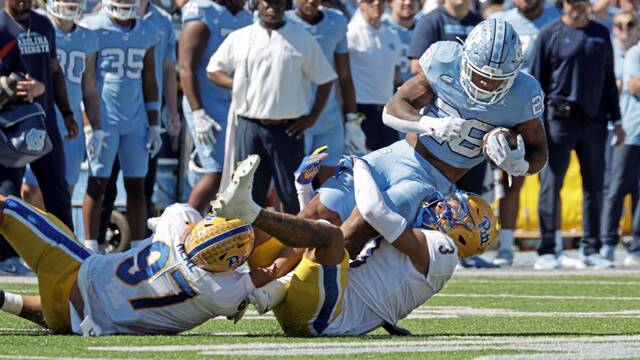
x: 206, y: 24
x: 76, y: 48
x: 460, y: 94
x: 401, y: 20
x: 125, y: 67
x: 526, y: 18
x: 329, y: 28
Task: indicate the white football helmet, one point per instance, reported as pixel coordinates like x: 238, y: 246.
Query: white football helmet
x: 121, y: 9
x: 66, y: 9
x: 493, y: 51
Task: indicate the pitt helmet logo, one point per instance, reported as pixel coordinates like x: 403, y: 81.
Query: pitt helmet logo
x: 484, y: 227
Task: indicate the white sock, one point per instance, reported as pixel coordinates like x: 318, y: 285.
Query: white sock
x: 91, y: 245
x: 135, y: 243
x: 12, y: 303
x: 506, y: 239
x: 559, y: 243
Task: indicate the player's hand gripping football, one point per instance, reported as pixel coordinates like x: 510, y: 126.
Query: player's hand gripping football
x: 205, y: 127
x: 310, y: 165
x: 500, y: 152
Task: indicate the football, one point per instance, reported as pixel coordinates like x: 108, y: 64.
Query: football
x: 510, y: 135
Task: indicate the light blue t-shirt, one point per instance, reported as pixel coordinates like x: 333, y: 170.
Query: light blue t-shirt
x: 166, y: 45
x: 630, y: 107
x: 523, y: 102
x: 528, y: 29
x: 405, y: 37
x: 72, y: 50
x: 220, y: 23
x: 331, y: 34
x: 119, y: 67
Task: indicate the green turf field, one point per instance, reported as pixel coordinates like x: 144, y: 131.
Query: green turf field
x: 486, y: 315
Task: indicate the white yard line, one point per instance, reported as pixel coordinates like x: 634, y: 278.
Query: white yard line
x: 587, y: 347
x: 542, y: 297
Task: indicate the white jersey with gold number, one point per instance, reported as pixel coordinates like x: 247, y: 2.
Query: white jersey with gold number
x: 384, y: 286
x: 153, y: 288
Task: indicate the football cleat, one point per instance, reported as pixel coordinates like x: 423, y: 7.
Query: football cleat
x: 492, y: 51
x: 236, y: 201
x: 218, y: 245
x: 546, y: 262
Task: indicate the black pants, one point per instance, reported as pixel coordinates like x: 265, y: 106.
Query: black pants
x: 473, y: 180
x: 111, y: 192
x: 378, y: 134
x: 280, y: 156
x: 588, y: 140
x: 625, y: 179
x: 50, y: 173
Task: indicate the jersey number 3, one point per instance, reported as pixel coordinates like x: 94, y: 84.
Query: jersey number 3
x: 134, y: 271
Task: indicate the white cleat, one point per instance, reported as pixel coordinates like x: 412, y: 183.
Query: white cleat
x: 632, y: 261
x: 236, y: 201
x: 598, y: 262
x: 571, y: 263
x: 546, y: 262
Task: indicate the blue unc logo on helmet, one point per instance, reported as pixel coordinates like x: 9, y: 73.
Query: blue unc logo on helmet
x: 492, y: 51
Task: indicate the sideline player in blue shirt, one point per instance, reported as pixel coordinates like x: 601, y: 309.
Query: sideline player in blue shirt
x: 167, y: 78
x: 206, y: 24
x: 465, y: 92
x: 329, y: 28
x: 402, y: 21
x: 76, y: 48
x: 129, y: 108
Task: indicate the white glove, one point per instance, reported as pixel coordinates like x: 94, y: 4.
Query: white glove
x: 205, y: 127
x: 154, y: 141
x: 511, y: 161
x: 442, y: 129
x: 355, y: 139
x: 94, y: 141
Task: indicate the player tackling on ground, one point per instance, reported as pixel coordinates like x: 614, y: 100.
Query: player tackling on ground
x: 185, y: 273
x: 397, y: 271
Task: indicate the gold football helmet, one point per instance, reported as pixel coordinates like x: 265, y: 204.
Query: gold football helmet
x: 465, y: 217
x: 216, y: 244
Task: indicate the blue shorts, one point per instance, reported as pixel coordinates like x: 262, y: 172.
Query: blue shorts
x: 404, y: 177
x: 211, y: 156
x: 334, y: 138
x: 130, y: 147
x: 74, y: 155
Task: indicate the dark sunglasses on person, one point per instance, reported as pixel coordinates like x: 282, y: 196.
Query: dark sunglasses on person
x: 625, y: 25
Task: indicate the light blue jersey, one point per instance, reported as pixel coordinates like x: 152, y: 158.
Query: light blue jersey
x: 166, y: 45
x: 72, y: 50
x: 215, y: 100
x: 119, y: 66
x: 405, y: 37
x: 331, y: 33
x: 630, y: 107
x: 119, y: 70
x: 523, y: 102
x: 528, y: 29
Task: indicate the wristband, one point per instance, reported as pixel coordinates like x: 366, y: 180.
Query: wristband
x: 152, y: 106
